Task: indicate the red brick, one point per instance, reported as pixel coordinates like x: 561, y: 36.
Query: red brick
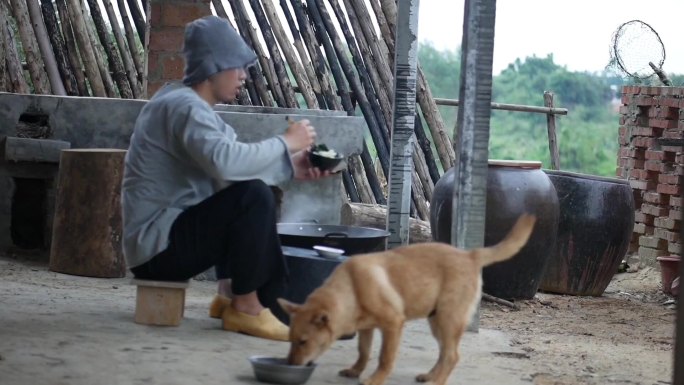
x: 648, y: 131
x: 649, y: 253
x: 153, y: 68
x: 632, y: 163
x: 668, y: 189
x: 659, y: 155
x: 641, y: 141
x: 173, y: 67
x: 675, y: 201
x: 654, y: 210
x: 643, y: 100
x: 670, y: 236
x: 673, y: 134
x: 167, y: 39
x: 641, y: 228
x: 668, y: 179
x: 627, y: 99
x: 681, y: 103
x: 669, y: 102
x: 656, y: 165
x: 621, y: 172
x: 623, y: 140
x: 652, y: 242
x: 646, y: 219
x: 637, y: 153
x: 153, y: 87
x: 667, y: 223
x: 671, y: 113
x: 674, y: 149
x: 659, y: 199
x: 643, y: 174
x: 178, y: 15
x: 156, y: 14
x: 644, y: 185
x: 675, y: 248
x: 679, y: 170
x: 662, y: 123
x: 676, y: 214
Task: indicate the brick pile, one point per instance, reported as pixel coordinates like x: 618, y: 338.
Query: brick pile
x: 654, y: 172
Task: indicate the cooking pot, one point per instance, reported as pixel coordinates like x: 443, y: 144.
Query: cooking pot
x: 351, y: 239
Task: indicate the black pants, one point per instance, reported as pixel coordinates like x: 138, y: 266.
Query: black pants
x: 234, y: 231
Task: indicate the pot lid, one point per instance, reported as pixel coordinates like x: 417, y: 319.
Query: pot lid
x: 531, y: 164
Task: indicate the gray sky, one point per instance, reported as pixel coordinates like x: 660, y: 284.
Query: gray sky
x: 577, y: 32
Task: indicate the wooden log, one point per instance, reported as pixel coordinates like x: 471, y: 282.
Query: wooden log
x: 15, y: 73
x: 78, y: 26
x: 423, y: 172
x: 45, y: 47
x: 146, y: 45
x: 375, y: 216
x: 362, y: 186
x: 276, y: 58
x: 349, y: 188
x: 60, y: 51
x: 386, y: 46
x: 86, y: 238
x: 138, y: 18
x: 111, y: 89
x: 129, y: 66
x: 318, y: 61
x: 551, y: 129
x: 34, y: 61
x: 130, y: 37
x: 249, y: 33
x: 72, y: 49
x: 426, y: 146
x: 115, y: 62
x: 303, y: 55
x: 290, y: 56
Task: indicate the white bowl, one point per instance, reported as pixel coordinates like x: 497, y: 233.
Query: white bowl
x: 328, y: 252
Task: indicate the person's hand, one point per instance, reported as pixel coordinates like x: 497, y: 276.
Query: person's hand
x: 299, y: 136
x: 303, y: 170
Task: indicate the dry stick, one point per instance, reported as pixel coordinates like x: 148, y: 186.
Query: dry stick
x: 130, y: 37
x: 317, y: 59
x: 131, y: 72
x: 386, y: 46
x: 290, y: 56
x: 146, y: 47
x: 445, y: 149
x: 303, y: 55
x: 97, y: 49
x: 11, y: 56
x: 115, y: 62
x: 46, y: 51
x: 138, y: 18
x: 278, y: 65
x: 72, y: 49
x: 333, y: 49
x: 85, y: 47
x: 426, y: 146
x: 551, y: 128
x: 491, y: 298
x: 60, y: 51
x: 30, y: 47
x: 364, y: 192
x: 249, y: 33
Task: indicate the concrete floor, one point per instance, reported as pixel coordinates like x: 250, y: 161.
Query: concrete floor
x: 61, y: 329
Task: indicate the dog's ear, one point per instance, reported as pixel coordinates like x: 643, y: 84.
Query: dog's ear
x: 289, y: 307
x: 320, y: 320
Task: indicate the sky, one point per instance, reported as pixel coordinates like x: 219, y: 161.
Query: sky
x: 577, y: 32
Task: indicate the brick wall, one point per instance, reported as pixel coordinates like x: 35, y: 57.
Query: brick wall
x: 167, y: 27
x: 654, y: 171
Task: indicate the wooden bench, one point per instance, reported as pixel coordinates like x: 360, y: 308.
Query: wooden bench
x: 159, y: 303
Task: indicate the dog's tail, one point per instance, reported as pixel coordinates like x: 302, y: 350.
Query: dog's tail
x: 514, y: 241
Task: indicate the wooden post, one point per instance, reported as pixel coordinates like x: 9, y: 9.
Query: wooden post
x: 72, y: 49
x: 80, y: 30
x: 45, y: 48
x: 110, y: 87
x: 472, y: 137
x: 131, y: 72
x: 86, y: 238
x: 60, y: 51
x: 112, y: 54
x: 30, y: 47
x: 138, y: 19
x: 375, y: 216
x: 130, y: 36
x: 14, y: 68
x: 551, y: 129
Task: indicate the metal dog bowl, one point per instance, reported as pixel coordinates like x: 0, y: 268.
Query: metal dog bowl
x: 275, y: 370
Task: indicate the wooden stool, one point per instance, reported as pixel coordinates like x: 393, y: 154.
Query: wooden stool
x: 159, y: 302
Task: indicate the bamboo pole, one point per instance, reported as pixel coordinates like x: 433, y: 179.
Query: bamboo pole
x: 98, y: 51
x: 131, y: 72
x: 318, y: 61
x: 551, y: 129
x: 72, y: 49
x: 138, y: 18
x: 36, y: 67
x: 510, y: 107
x: 85, y: 48
x: 249, y: 33
x: 60, y: 51
x: 130, y: 37
x: 15, y: 73
x: 45, y: 47
x: 276, y: 58
x: 290, y: 56
x: 115, y: 62
x: 303, y: 55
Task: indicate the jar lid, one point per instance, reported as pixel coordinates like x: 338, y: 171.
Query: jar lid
x: 530, y: 164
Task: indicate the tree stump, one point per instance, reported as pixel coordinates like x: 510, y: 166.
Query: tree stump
x: 86, y: 237
x: 375, y: 216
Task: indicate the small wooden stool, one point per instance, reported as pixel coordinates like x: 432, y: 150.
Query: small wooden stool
x: 159, y: 302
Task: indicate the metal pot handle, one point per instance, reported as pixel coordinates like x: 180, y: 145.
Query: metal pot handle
x: 336, y: 235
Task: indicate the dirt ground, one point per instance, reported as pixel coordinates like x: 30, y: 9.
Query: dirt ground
x: 61, y: 329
